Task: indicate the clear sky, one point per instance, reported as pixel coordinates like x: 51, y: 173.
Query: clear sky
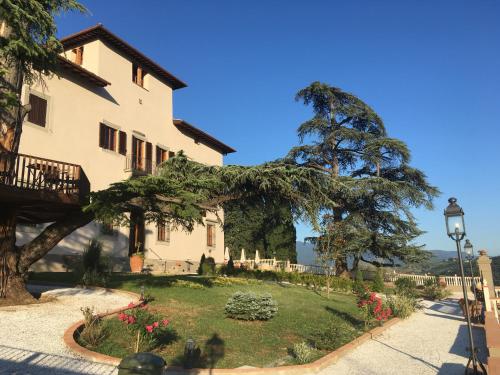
x: 431, y: 69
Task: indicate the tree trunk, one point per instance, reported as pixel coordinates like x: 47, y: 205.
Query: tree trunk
x: 341, y: 267
x: 15, y: 261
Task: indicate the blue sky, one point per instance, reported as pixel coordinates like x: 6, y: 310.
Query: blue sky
x: 429, y: 68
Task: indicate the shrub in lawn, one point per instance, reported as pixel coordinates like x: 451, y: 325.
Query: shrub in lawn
x: 433, y: 291
x: 208, y: 266
x: 332, y: 334
x: 93, y: 332
x: 378, y: 281
x: 188, y: 284
x: 402, y: 305
x: 303, y: 352
x: 95, y: 270
x: 200, y: 267
x: 149, y: 329
x: 406, y: 286
x: 250, y: 306
x: 373, y: 308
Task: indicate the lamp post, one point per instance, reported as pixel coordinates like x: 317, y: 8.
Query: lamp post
x: 455, y: 228
x: 469, y: 255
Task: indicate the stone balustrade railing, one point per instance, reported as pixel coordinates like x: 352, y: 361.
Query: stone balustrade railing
x: 421, y: 279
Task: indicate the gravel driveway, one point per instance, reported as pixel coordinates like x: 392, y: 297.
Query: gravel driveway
x: 31, y: 339
x: 431, y: 341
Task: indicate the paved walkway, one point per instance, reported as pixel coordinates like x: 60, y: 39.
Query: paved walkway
x: 31, y: 336
x: 431, y: 341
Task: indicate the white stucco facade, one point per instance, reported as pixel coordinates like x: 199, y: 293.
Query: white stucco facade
x: 75, y: 110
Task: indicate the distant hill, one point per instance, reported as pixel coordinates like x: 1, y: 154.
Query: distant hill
x: 443, y: 254
x: 305, y: 253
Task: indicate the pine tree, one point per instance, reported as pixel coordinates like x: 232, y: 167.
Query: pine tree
x: 348, y: 142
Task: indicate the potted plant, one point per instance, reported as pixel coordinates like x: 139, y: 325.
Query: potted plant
x: 137, y: 259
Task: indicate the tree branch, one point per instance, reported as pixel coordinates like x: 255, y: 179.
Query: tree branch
x: 50, y: 237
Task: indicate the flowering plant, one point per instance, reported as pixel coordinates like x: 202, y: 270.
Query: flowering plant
x: 372, y: 307
x: 149, y: 327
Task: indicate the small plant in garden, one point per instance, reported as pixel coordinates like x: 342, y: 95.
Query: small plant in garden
x: 378, y: 281
x: 149, y: 328
x: 93, y: 331
x: 303, y: 352
x: 372, y: 308
x: 250, y: 306
x: 434, y: 291
x: 402, y: 305
x: 200, y: 267
x: 332, y: 334
x: 407, y: 287
x: 95, y: 270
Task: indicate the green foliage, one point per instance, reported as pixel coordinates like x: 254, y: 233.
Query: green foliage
x: 31, y: 44
x: 202, y: 261
x: 230, y: 266
x: 95, y: 269
x: 378, y: 281
x: 93, y: 331
x: 406, y: 287
x: 188, y: 284
x: 433, y: 291
x: 250, y: 306
x: 348, y: 142
x: 402, y: 305
x: 332, y: 334
x: 263, y: 225
x: 303, y: 352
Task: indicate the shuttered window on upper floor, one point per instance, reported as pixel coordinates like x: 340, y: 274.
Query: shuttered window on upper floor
x: 107, y: 137
x: 138, y: 75
x: 38, y: 113
x: 122, y: 145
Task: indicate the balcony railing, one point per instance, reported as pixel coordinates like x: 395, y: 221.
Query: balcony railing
x: 139, y: 165
x: 35, y: 173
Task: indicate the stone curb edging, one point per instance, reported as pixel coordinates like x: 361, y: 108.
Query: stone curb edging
x: 310, y: 368
x: 69, y: 334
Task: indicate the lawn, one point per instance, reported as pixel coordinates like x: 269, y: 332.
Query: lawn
x: 198, y: 313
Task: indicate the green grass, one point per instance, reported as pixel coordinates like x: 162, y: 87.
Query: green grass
x: 199, y: 314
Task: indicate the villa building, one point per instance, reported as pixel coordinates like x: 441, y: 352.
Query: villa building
x: 110, y: 111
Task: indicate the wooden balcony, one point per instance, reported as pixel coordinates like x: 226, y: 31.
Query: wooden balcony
x: 41, y: 189
x: 139, y: 166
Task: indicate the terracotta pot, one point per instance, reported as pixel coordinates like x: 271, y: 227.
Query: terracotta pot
x: 136, y: 263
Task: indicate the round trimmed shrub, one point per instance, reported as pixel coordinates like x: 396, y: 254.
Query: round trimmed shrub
x: 250, y: 306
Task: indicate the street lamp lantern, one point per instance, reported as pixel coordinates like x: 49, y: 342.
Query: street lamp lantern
x: 455, y: 225
x: 469, y: 249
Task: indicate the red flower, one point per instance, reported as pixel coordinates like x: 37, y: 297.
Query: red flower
x: 165, y: 322
x: 131, y: 319
x: 156, y: 324
x: 131, y: 304
x: 149, y: 329
x: 122, y: 317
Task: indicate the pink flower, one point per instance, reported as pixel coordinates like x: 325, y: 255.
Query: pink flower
x: 122, y: 317
x: 131, y: 319
x: 165, y: 322
x: 156, y: 324
x: 149, y: 329
x: 131, y: 304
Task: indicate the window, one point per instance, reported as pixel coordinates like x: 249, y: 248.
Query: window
x: 78, y: 52
x: 149, y: 157
x: 38, y: 113
x: 211, y: 235
x: 138, y: 75
x: 122, y: 147
x: 163, y: 233
x: 137, y: 153
x: 107, y: 137
x: 161, y: 155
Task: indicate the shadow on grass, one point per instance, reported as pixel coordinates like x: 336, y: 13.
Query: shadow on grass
x: 358, y: 323
x: 213, y: 351
x: 118, y: 281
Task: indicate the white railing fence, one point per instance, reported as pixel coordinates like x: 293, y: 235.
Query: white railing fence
x: 421, y: 279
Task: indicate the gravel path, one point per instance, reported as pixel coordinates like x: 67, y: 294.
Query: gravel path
x: 431, y: 341
x: 31, y: 336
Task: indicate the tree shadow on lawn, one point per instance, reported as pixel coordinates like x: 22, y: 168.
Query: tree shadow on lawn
x: 355, y: 322
x: 213, y: 351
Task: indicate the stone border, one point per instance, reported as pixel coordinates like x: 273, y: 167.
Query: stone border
x: 310, y: 368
